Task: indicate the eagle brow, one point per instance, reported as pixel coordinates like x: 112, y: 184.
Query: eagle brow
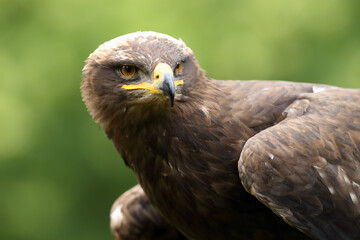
x: 182, y: 59
x: 118, y: 63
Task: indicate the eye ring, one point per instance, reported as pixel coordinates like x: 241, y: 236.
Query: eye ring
x: 127, y: 71
x: 178, y: 68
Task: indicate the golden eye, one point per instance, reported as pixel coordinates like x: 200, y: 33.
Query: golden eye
x: 127, y: 71
x: 178, y: 68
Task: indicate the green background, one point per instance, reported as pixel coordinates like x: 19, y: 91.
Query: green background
x: 58, y: 173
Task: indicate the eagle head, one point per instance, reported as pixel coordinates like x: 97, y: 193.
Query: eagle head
x: 137, y: 72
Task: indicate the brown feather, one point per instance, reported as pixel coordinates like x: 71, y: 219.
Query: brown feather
x: 134, y: 218
x: 295, y: 142
x: 322, y: 155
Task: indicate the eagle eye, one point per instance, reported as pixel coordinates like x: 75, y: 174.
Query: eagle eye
x: 178, y: 68
x: 127, y: 71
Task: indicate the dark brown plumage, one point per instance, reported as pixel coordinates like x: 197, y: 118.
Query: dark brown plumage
x: 134, y: 218
x: 295, y: 146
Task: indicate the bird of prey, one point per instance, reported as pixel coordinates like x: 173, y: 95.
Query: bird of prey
x: 223, y: 159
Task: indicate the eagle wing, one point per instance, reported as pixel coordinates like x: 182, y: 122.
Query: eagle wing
x: 134, y: 218
x: 306, y: 168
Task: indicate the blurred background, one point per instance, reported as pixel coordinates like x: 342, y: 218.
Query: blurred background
x: 59, y: 174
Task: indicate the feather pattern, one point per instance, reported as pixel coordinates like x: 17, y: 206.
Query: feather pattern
x: 293, y: 146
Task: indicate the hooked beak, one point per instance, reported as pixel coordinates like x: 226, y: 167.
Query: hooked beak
x: 167, y: 86
x: 164, y: 82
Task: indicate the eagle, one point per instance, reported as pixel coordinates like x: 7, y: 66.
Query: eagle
x: 223, y: 159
